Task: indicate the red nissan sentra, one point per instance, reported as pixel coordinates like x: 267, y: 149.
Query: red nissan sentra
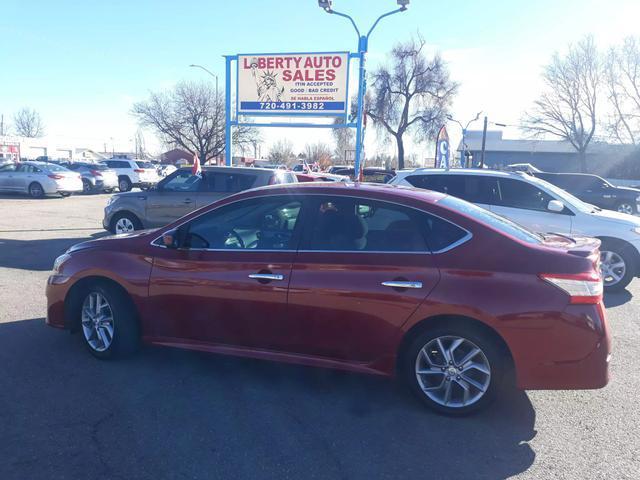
x: 368, y: 278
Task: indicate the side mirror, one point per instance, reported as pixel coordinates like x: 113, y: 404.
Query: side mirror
x: 555, y: 206
x: 171, y: 239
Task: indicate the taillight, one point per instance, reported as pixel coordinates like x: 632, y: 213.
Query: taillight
x: 137, y: 170
x: 581, y: 288
x: 55, y: 176
x: 96, y: 173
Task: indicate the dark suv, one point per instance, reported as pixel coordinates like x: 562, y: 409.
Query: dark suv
x: 596, y: 191
x: 181, y: 193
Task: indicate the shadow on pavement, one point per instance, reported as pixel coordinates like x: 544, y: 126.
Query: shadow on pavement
x: 168, y: 413
x: 618, y: 298
x: 38, y: 254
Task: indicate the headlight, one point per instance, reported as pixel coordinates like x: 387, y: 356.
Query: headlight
x: 60, y: 261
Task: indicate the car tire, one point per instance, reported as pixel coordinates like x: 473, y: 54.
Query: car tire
x: 86, y: 186
x: 612, y: 254
x: 454, y: 375
x: 625, y: 207
x: 108, y: 190
x: 36, y: 190
x: 108, y: 322
x: 65, y: 194
x: 124, y: 222
x: 124, y: 184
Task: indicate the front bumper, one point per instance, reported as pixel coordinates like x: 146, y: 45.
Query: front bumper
x: 56, y: 291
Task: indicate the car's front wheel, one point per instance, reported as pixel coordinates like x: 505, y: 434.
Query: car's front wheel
x: 454, y: 370
x: 616, y: 266
x: 108, y: 323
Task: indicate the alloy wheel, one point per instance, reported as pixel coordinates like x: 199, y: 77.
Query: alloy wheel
x: 97, y: 322
x: 36, y: 190
x: 612, y: 267
x: 625, y: 208
x: 452, y: 371
x: 124, y: 225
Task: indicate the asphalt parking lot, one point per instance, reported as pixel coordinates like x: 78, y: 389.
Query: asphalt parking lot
x: 173, y: 414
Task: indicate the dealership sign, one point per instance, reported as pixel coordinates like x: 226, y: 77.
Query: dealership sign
x: 442, y: 148
x: 293, y: 84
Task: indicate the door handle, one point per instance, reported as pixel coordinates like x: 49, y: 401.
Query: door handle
x: 266, y: 276
x: 188, y: 201
x: 399, y: 284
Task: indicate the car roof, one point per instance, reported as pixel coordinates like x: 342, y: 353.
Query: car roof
x: 353, y: 188
x: 463, y: 171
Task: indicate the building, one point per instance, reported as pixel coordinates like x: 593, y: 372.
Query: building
x: 547, y: 155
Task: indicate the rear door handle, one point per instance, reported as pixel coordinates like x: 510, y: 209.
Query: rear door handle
x: 399, y: 284
x: 266, y: 276
x: 188, y: 201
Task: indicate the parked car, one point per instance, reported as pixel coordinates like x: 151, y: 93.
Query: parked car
x: 181, y: 193
x: 96, y: 177
x: 369, y: 174
x: 166, y: 170
x: 542, y: 207
x: 38, y: 179
x: 596, y: 191
x: 320, y: 177
x: 133, y: 173
x: 335, y: 168
x: 522, y: 167
x: 366, y: 278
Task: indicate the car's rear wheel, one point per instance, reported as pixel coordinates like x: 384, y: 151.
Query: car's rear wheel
x: 454, y: 370
x: 108, y: 322
x: 625, y: 207
x: 125, y: 222
x: 124, y: 184
x: 36, y: 190
x: 616, y: 266
x: 65, y: 194
x: 86, y: 186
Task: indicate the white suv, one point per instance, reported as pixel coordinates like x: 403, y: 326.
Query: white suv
x: 133, y: 173
x: 544, y: 208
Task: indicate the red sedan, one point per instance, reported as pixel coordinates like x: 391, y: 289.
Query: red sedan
x: 367, y: 278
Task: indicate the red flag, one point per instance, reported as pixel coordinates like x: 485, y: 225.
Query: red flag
x: 196, y: 170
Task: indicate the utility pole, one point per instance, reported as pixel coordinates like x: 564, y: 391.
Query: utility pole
x: 484, y: 141
x: 2, y: 125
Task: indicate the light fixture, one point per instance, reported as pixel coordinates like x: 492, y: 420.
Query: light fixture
x: 326, y: 5
x: 403, y: 4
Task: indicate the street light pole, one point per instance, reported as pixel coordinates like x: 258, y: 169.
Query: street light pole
x: 215, y: 140
x: 463, y: 160
x: 363, y: 46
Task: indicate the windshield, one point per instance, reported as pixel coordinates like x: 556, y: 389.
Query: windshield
x: 496, y: 222
x: 52, y: 167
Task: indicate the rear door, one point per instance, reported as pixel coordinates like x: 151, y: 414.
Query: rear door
x: 527, y: 204
x: 174, y: 198
x: 362, y: 269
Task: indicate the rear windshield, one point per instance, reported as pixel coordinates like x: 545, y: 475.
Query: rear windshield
x: 496, y: 222
x: 145, y: 165
x: 52, y: 167
x: 97, y: 166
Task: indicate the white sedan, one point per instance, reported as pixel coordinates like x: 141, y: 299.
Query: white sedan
x: 39, y: 179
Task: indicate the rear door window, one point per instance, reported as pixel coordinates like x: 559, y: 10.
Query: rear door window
x: 472, y: 188
x: 224, y: 182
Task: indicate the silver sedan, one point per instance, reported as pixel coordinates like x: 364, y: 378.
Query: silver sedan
x: 38, y: 179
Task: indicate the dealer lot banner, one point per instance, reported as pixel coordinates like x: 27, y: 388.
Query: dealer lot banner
x: 293, y: 84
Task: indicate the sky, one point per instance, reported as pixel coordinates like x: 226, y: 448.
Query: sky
x: 83, y: 64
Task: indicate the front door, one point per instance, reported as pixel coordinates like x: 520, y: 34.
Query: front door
x: 527, y: 205
x: 228, y: 283
x: 363, y: 268
x: 173, y: 198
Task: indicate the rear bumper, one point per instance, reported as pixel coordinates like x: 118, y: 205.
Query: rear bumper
x: 575, y: 356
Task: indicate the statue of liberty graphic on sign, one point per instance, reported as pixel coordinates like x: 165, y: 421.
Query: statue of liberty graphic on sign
x: 266, y: 84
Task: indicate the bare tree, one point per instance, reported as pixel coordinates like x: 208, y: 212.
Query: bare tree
x: 28, y: 123
x: 281, y: 153
x: 412, y: 94
x: 567, y: 108
x: 319, y: 153
x: 622, y: 82
x: 191, y: 116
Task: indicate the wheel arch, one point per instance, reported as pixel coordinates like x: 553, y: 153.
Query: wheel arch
x: 635, y: 255
x: 74, y: 297
x: 458, y: 320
